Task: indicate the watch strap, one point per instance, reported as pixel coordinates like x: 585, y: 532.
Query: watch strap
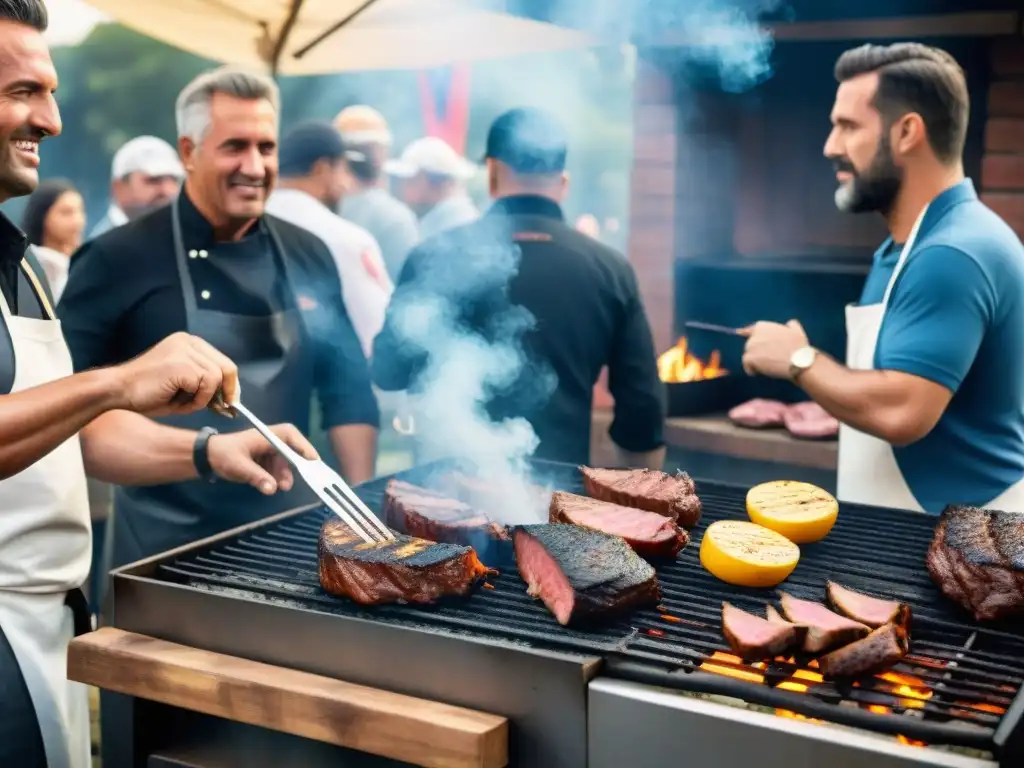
x: 201, y: 456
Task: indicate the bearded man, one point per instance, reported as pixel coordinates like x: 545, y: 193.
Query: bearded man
x: 931, y: 398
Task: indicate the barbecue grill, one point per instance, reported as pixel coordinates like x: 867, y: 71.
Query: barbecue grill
x: 638, y: 692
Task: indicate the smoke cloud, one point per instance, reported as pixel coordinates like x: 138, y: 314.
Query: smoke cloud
x: 466, y: 370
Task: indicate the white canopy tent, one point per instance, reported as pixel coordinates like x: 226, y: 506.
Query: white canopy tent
x: 311, y: 37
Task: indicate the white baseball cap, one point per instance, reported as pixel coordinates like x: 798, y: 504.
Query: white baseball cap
x: 149, y: 155
x: 430, y: 155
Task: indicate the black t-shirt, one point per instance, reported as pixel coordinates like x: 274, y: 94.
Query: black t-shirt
x: 582, y: 312
x: 18, y: 292
x: 124, y: 295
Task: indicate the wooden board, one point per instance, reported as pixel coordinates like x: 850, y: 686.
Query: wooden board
x: 417, y: 731
x: 716, y: 434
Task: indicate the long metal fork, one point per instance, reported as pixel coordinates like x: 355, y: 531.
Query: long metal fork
x: 327, y: 484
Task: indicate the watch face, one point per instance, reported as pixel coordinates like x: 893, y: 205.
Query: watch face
x: 803, y: 358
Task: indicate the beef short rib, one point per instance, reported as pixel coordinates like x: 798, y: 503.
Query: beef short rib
x: 582, y: 575
x: 669, y: 495
x: 825, y: 630
x: 977, y: 559
x: 406, y: 570
x: 650, y: 534
x: 885, y: 646
x: 429, y: 515
x: 752, y: 637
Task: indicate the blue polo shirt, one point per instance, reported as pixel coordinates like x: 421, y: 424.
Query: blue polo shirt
x: 956, y: 317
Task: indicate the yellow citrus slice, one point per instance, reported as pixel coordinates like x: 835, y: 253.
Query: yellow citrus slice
x: 747, y: 555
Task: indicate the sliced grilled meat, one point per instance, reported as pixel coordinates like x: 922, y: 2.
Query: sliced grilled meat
x: 777, y: 618
x: 429, y: 515
x: 407, y: 570
x: 825, y: 630
x: 976, y: 558
x: 870, y: 611
x: 582, y: 575
x: 885, y: 646
x: 650, y: 534
x: 752, y: 637
x: 669, y: 495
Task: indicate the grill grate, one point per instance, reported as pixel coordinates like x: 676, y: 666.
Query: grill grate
x: 958, y: 679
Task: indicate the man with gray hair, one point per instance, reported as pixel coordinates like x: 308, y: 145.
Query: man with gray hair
x: 262, y: 290
x: 145, y: 174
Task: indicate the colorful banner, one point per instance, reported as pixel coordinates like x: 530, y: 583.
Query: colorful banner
x: 444, y: 95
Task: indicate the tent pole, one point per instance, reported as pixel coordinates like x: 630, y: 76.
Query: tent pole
x: 331, y: 30
x: 283, y: 35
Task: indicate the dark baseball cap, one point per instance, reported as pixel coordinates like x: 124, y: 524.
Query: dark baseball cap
x: 306, y: 143
x: 528, y: 140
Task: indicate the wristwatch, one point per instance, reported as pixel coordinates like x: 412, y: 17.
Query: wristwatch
x: 200, y: 454
x: 801, y: 360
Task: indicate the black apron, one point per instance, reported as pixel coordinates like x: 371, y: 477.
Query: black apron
x: 275, y: 369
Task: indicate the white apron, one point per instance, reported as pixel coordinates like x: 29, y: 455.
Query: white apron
x: 868, y: 472
x: 45, y: 550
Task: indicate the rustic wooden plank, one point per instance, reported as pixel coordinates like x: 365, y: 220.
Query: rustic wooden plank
x: 1002, y: 172
x: 716, y: 434
x: 417, y: 731
x: 972, y: 24
x: 1006, y: 99
x: 1003, y: 134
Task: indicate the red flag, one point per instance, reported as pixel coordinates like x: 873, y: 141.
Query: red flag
x: 444, y: 95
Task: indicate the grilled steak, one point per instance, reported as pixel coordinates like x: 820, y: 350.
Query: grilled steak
x: 752, y: 637
x: 885, y: 646
x: 810, y: 421
x: 650, y: 534
x: 582, y: 575
x: 407, y: 570
x: 758, y: 414
x: 825, y: 629
x: 428, y: 515
x: 977, y: 560
x: 870, y: 611
x: 669, y: 495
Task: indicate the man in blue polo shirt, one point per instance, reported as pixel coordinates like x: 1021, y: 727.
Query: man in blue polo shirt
x: 931, y: 398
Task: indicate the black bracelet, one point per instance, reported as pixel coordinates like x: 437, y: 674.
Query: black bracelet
x: 200, y: 454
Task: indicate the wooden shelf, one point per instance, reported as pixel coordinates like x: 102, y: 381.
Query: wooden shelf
x: 416, y: 731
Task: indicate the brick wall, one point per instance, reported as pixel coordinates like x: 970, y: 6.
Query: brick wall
x: 1002, y: 172
x: 652, y: 203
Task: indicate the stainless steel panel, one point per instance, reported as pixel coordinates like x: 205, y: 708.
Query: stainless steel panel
x: 638, y: 726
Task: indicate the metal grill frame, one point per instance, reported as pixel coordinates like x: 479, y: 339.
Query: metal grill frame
x: 143, y: 600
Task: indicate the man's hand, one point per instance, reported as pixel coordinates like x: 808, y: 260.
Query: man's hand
x: 770, y: 347
x: 179, y: 375
x: 247, y: 457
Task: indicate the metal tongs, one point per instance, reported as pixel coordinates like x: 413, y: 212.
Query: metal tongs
x: 324, y: 481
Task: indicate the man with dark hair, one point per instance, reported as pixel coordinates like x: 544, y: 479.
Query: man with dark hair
x: 931, y: 398
x: 522, y: 280
x: 55, y: 426
x: 369, y: 203
x: 313, y: 179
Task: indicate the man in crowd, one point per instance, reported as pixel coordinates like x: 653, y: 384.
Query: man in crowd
x: 261, y: 290
x: 931, y: 398
x: 432, y: 181
x: 369, y: 203
x: 313, y: 178
x: 145, y: 174
x: 55, y: 426
x: 585, y: 307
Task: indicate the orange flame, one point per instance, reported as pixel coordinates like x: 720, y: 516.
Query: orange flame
x: 677, y: 365
x: 911, y: 692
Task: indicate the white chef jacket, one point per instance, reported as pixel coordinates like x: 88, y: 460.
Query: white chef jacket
x: 365, y: 284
